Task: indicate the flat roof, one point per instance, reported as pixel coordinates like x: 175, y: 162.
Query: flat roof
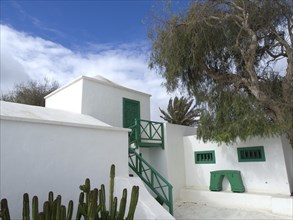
x: 37, y: 114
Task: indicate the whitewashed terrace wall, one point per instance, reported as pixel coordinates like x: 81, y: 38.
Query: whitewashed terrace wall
x: 169, y: 162
x: 270, y: 176
x: 39, y: 157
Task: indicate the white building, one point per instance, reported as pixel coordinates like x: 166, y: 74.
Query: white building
x: 98, y: 97
x: 45, y: 149
x: 87, y: 119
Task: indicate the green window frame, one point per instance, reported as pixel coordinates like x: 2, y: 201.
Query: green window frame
x: 204, y: 157
x: 251, y: 154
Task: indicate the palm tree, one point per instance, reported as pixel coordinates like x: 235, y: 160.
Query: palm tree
x: 181, y: 112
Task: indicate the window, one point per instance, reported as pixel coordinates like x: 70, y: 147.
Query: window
x: 203, y: 157
x: 251, y: 154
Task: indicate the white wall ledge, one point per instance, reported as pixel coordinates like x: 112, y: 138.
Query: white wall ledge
x: 60, y: 123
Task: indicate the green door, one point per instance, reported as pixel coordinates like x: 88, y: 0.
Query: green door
x: 131, y: 111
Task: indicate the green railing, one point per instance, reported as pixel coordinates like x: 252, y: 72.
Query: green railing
x: 158, y: 184
x: 146, y: 133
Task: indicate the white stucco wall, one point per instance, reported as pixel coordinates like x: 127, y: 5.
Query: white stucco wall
x: 68, y: 98
x: 263, y: 177
x: 169, y: 162
x: 97, y: 97
x: 39, y: 157
x: 105, y: 102
x: 288, y: 152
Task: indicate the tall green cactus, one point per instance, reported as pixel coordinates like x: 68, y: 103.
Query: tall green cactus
x: 26, y: 207
x: 4, y: 211
x: 70, y: 210
x: 133, y: 202
x: 122, y: 206
x: 91, y: 205
x: 102, y: 200
x: 111, y: 188
x: 94, y: 206
x: 35, y: 208
x: 46, y: 210
x: 52, y: 209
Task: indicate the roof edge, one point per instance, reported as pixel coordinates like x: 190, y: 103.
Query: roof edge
x: 67, y: 124
x: 63, y: 87
x: 115, y: 85
x: 97, y: 81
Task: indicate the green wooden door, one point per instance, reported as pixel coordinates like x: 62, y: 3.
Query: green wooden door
x: 131, y: 111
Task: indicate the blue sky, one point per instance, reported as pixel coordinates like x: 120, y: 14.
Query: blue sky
x: 61, y: 40
x: 79, y: 22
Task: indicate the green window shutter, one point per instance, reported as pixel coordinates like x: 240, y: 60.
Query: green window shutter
x: 251, y: 154
x: 204, y: 157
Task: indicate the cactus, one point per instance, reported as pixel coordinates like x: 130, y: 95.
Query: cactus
x: 46, y: 210
x: 94, y: 206
x: 122, y: 206
x: 91, y: 205
x: 41, y: 216
x: 111, y: 188
x: 133, y: 202
x: 4, y: 211
x: 62, y: 212
x: 102, y: 200
x: 70, y: 210
x: 80, y: 209
x: 52, y: 209
x: 26, y: 207
x: 113, y: 211
x: 35, y: 208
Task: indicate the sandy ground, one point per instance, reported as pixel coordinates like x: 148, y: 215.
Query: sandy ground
x: 189, y: 210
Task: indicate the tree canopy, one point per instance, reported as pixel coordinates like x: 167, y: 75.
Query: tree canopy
x: 181, y: 111
x: 225, y: 53
x: 31, y: 92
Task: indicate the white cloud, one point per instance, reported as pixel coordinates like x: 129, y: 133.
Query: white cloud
x: 29, y: 57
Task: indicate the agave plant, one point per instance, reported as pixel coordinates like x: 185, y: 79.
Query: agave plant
x: 181, y: 111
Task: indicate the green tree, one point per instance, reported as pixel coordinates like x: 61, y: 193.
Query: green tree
x: 181, y: 112
x: 224, y: 53
x: 31, y: 92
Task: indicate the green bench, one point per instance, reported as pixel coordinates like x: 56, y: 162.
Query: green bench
x: 233, y: 176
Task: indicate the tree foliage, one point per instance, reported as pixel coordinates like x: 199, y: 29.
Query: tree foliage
x: 181, y: 112
x: 31, y: 92
x: 224, y: 53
